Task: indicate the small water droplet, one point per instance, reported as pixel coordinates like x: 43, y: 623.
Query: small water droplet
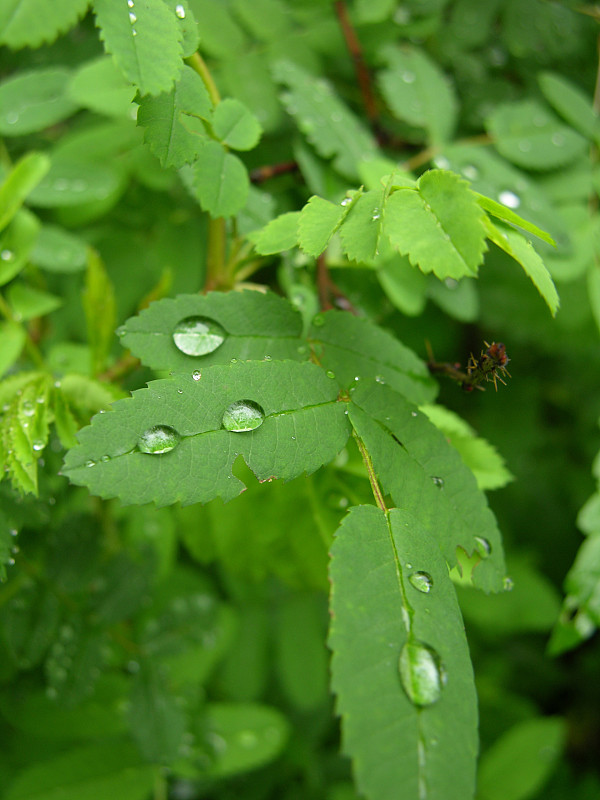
x: 408, y: 76
x: 508, y: 584
x: 105, y: 458
x: 7, y: 255
x: 198, y: 336
x: 509, y: 199
x: 379, y: 379
x: 132, y: 17
x: 437, y: 481
x: 180, y: 11
x: 330, y: 373
x: 470, y: 172
x: 318, y: 321
x: 483, y: 547
x: 441, y: 162
x: 90, y: 463
x: 414, y: 413
x: 11, y: 117
x: 28, y: 408
x: 421, y: 581
x: 524, y: 145
x: 346, y: 201
x: 180, y: 391
x: 133, y: 32
x: 196, y: 374
x: 243, y: 416
x: 558, y: 139
x: 267, y: 358
x: 158, y: 439
x: 422, y: 673
x: 37, y: 445
x: 233, y: 361
x: 130, y: 3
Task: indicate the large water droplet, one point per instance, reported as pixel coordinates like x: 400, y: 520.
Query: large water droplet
x: 509, y: 199
x: 422, y: 673
x: 7, y: 255
x: 242, y: 416
x: 483, y: 547
x: 198, y: 336
x: 421, y: 581
x: 158, y: 439
x: 180, y: 11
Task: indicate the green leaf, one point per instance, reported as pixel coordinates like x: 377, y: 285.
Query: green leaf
x: 241, y: 325
x: 71, y: 182
x: 529, y: 135
x: 426, y: 476
x: 361, y: 230
x: 111, y: 768
x: 32, y: 101
x: 439, y: 225
x: 519, y: 763
x: 27, y: 302
x: 145, y: 42
x: 319, y: 220
x: 16, y: 244
x: 278, y: 235
x: 504, y: 213
x: 99, y: 86
x: 143, y: 450
x: 252, y: 734
x: 24, y: 176
x: 30, y: 23
x: 221, y: 34
x: 221, y: 182
x: 571, y: 103
x: 100, y: 310
x: 64, y: 421
x: 519, y: 248
x: 59, y: 250
x: 13, y: 338
x: 355, y: 349
x: 186, y: 21
x: 418, y: 92
x: 427, y: 747
x: 167, y: 135
x: 325, y: 120
x: 235, y: 125
x: 405, y: 286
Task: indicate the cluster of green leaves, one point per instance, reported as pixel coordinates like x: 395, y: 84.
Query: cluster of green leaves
x: 179, y: 649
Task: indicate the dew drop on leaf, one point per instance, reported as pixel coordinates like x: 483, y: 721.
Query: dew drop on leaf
x: 7, y: 255
x: 437, y: 481
x: 28, y: 409
x: 319, y: 321
x: 37, y: 445
x: 180, y: 11
x: 421, y: 672
x: 198, y: 336
x: 509, y: 199
x: 483, y: 547
x: 158, y: 439
x: 330, y: 373
x: 242, y: 416
x: 422, y: 581
x: 507, y: 584
x: 196, y: 374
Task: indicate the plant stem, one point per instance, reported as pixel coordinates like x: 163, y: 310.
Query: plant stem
x: 377, y: 493
x: 30, y: 346
x: 197, y: 63
x: 360, y: 67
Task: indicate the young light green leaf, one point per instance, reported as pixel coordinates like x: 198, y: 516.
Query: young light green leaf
x: 64, y: 421
x: 571, y: 103
x: 235, y: 125
x: 325, y: 120
x: 59, y: 250
x: 426, y: 476
x: 418, y: 92
x: 355, y: 349
x: 24, y: 176
x: 410, y: 721
x: 503, y: 212
x: 517, y: 246
x: 361, y: 229
x: 528, y: 134
x: 278, y: 235
x: 177, y: 439
x: 16, y: 243
x: 100, y: 310
x: 221, y: 182
x: 319, y: 220
x: 144, y: 40
x: 165, y: 132
x: 32, y: 101
x: 99, y: 86
x: 27, y: 302
x: 519, y: 763
x: 439, y: 226
x: 192, y: 332
x: 29, y: 23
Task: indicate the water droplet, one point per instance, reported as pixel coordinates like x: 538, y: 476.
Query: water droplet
x: 11, y: 117
x: 7, y: 255
x: 408, y: 76
x: 158, y: 439
x: 318, y: 321
x: 133, y: 32
x: 130, y: 3
x: 437, y: 481
x: 90, y: 463
x: 268, y: 358
x: 509, y: 199
x: 180, y: 391
x: 302, y: 350
x: 330, y: 373
x: 37, y: 445
x: 524, y: 145
x: 470, y: 172
x: 379, y: 379
x: 346, y: 201
x: 105, y: 458
x: 483, y: 547
x: 28, y: 408
x: 180, y: 11
x: 558, y: 139
x: 132, y: 17
x: 441, y: 162
x: 61, y: 184
x: 507, y: 584
x: 422, y: 673
x: 421, y: 581
x: 233, y: 361
x: 196, y: 375
x: 414, y: 413
x: 242, y: 416
x: 198, y: 336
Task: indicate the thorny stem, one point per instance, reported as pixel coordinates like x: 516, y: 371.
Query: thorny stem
x: 355, y: 50
x: 377, y: 493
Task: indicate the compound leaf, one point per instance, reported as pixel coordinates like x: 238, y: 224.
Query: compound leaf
x: 426, y: 476
x: 439, y: 225
x: 355, y: 349
x: 221, y: 182
x: 176, y: 440
x: 249, y: 325
x: 325, y: 120
x: 144, y: 40
x: 161, y: 117
x: 428, y: 745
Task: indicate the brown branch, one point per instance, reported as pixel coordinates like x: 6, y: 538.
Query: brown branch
x: 360, y: 67
x: 327, y: 290
x: 261, y: 174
